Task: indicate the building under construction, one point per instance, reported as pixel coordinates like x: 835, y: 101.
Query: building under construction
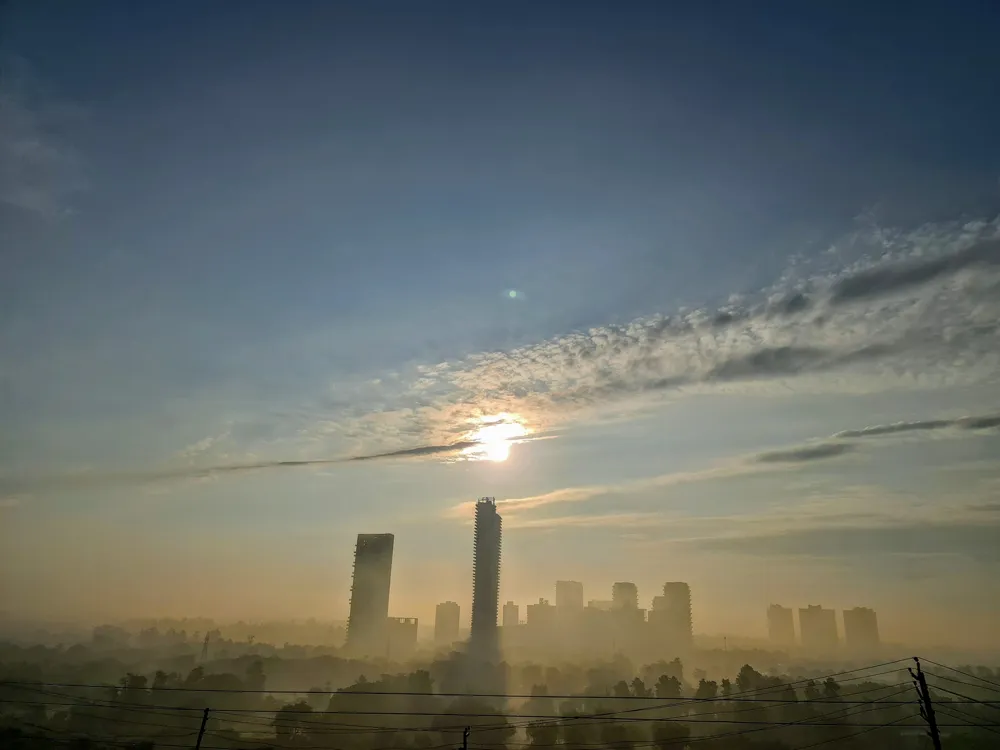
x: 366, y: 625
x: 483, y: 640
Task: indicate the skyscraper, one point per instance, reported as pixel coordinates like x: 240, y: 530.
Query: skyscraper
x: 818, y: 628
x: 446, y: 619
x: 569, y: 596
x: 511, y: 615
x: 486, y: 579
x: 861, y: 630
x: 671, y: 614
x: 625, y: 595
x: 781, y: 625
x: 366, y: 625
x: 401, y: 637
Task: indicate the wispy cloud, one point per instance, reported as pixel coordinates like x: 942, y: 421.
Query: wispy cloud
x: 605, y: 520
x: 38, y: 168
x: 923, y: 537
x: 783, y: 459
x: 985, y: 422
x: 908, y: 315
x: 892, y: 279
x: 805, y: 453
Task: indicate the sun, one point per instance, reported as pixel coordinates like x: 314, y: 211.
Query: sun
x: 493, y: 437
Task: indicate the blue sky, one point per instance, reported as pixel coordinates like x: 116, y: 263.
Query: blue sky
x: 235, y: 234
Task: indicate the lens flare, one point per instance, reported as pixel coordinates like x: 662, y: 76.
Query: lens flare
x: 494, y: 436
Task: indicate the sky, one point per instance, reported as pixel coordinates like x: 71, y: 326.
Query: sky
x: 700, y: 292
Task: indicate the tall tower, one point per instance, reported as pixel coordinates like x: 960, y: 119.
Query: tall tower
x: 486, y: 579
x: 625, y: 595
x: 678, y: 603
x: 818, y: 629
x: 569, y: 596
x: 861, y: 630
x: 781, y: 625
x: 446, y: 619
x: 366, y: 625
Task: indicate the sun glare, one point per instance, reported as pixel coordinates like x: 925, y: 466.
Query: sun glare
x: 494, y: 437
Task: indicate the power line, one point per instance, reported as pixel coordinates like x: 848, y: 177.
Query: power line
x: 856, y: 734
x: 966, y: 674
x: 970, y: 720
x: 967, y: 699
x: 166, y: 688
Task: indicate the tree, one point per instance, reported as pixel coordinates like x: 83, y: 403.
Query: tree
x: 668, y: 686
x: 621, y: 690
x: 831, y: 689
x: 707, y: 689
x: 639, y: 689
x: 617, y: 736
x: 291, y: 721
x: 812, y: 691
x: 671, y: 735
x: 727, y: 687
x: 255, y: 677
x: 748, y: 679
x: 542, y: 734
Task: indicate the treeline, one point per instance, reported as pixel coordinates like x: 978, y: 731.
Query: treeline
x: 50, y: 698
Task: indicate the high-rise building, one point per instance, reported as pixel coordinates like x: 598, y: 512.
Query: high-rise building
x: 781, y: 625
x: 401, y: 637
x: 670, y: 617
x: 540, y: 617
x: 366, y: 624
x: 603, y: 605
x: 486, y: 578
x: 511, y: 615
x: 446, y: 619
x: 818, y: 628
x: 625, y: 595
x: 569, y: 596
x: 861, y: 630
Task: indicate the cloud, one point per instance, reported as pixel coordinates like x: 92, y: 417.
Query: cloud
x: 38, y: 168
x: 987, y: 507
x: 782, y: 459
x: 805, y: 453
x: 943, y: 330
x: 984, y: 422
x: 892, y: 279
x: 606, y: 520
x: 977, y: 541
x: 82, y: 479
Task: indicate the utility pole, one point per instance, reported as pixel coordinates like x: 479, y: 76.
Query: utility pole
x: 926, y: 707
x: 201, y: 732
x: 465, y: 738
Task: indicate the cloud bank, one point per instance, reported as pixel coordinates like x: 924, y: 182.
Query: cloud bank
x: 924, y: 311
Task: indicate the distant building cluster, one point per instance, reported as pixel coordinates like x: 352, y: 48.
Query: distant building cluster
x: 818, y: 631
x: 568, y: 627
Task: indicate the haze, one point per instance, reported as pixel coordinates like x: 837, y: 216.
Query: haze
x: 703, y: 297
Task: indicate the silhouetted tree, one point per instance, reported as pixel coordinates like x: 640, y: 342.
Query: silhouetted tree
x: 639, y: 689
x: 670, y: 735
x: 291, y: 721
x: 748, y: 679
x: 812, y: 691
x: 831, y: 689
x: 543, y: 734
x: 668, y: 686
x: 707, y: 689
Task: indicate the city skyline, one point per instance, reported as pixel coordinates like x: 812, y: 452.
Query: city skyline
x: 698, y: 293
x: 667, y: 624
